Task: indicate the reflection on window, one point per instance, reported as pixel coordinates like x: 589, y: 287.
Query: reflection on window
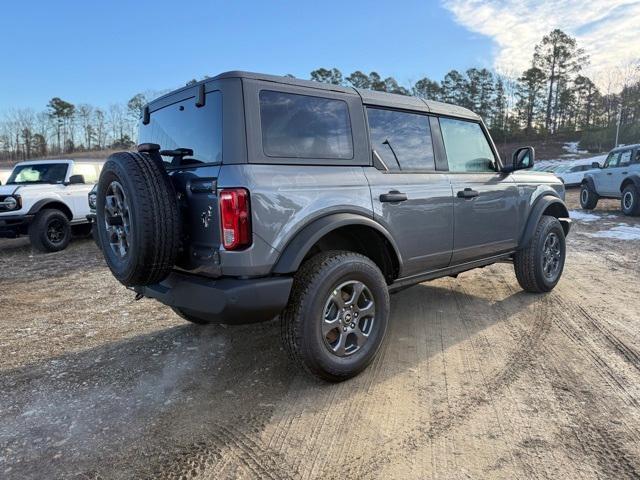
x: 302, y: 126
x: 39, y: 173
x: 625, y: 158
x: 612, y: 160
x: 403, y: 140
x: 88, y: 171
x: 467, y: 147
x: 183, y: 125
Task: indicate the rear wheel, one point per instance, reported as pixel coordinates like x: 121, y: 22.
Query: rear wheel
x: 539, y: 266
x: 337, y: 315
x: 630, y: 202
x: 588, y: 198
x: 50, y: 231
x: 137, y: 219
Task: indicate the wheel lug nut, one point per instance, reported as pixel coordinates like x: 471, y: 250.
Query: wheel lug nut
x: 353, y: 325
x: 344, y: 329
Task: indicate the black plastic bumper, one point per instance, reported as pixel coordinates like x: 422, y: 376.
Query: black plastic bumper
x: 225, y: 300
x: 13, y: 225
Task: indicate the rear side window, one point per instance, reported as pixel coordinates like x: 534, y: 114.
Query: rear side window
x: 625, y: 158
x: 402, y: 139
x: 183, y: 125
x: 467, y: 147
x: 303, y: 126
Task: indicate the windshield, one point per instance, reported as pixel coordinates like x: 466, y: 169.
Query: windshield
x: 38, y: 173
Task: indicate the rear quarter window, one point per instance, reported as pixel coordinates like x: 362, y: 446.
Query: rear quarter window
x: 304, y: 126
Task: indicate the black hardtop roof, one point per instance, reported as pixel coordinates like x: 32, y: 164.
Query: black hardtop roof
x: 369, y: 97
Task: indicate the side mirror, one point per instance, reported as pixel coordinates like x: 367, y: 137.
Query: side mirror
x: 595, y: 165
x: 76, y: 179
x: 523, y: 157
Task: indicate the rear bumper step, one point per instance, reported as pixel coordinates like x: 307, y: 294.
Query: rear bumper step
x: 225, y: 300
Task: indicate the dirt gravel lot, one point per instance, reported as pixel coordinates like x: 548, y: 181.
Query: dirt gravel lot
x: 476, y: 379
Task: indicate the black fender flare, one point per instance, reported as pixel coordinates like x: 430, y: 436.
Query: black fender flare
x: 635, y: 179
x: 537, y: 211
x: 60, y: 205
x: 298, y: 247
x: 588, y: 181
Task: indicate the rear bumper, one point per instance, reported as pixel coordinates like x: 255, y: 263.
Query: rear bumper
x: 13, y: 225
x: 225, y: 300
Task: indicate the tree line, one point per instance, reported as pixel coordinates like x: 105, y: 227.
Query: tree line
x: 553, y: 96
x: 63, y: 128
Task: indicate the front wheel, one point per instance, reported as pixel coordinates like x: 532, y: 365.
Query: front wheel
x: 337, y: 315
x: 539, y: 265
x: 630, y: 202
x: 588, y: 198
x: 50, y: 231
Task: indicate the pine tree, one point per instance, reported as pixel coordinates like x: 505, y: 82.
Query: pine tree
x: 428, y: 89
x: 559, y: 58
x: 530, y: 86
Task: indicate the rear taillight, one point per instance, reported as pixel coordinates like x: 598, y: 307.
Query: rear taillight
x: 235, y: 218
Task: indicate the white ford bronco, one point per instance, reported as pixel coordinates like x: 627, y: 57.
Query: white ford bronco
x: 45, y: 199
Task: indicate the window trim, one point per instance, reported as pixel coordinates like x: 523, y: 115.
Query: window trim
x: 436, y: 163
x: 344, y: 159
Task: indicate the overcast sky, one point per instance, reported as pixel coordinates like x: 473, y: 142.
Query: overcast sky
x: 105, y: 52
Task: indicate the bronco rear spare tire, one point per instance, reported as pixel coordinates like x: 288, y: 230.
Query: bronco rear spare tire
x: 137, y: 218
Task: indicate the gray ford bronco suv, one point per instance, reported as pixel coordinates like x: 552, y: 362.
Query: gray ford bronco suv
x: 618, y: 178
x: 253, y: 196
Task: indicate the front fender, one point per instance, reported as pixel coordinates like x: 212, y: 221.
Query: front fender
x: 589, y: 182
x: 54, y: 201
x: 303, y: 240
x: 550, y: 204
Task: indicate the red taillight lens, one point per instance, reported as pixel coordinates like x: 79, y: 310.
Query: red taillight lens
x: 235, y: 218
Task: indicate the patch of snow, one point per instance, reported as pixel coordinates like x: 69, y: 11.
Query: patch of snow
x: 578, y: 161
x: 621, y: 232
x: 583, y: 216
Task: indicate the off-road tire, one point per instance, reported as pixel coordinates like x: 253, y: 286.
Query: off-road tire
x: 39, y: 235
x: 528, y: 262
x: 301, y: 320
x: 189, y: 317
x: 633, y: 209
x: 153, y: 217
x: 588, y: 198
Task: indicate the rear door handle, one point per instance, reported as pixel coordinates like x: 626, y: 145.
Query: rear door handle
x: 609, y: 173
x: 625, y: 173
x: 393, y: 196
x: 468, y: 193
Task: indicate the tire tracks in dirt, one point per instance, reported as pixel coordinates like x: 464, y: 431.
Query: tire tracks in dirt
x: 518, y: 360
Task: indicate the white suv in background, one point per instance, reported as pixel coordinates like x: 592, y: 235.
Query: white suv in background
x: 45, y: 198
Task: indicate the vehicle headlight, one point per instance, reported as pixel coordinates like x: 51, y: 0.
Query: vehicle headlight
x: 10, y: 203
x: 93, y: 201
